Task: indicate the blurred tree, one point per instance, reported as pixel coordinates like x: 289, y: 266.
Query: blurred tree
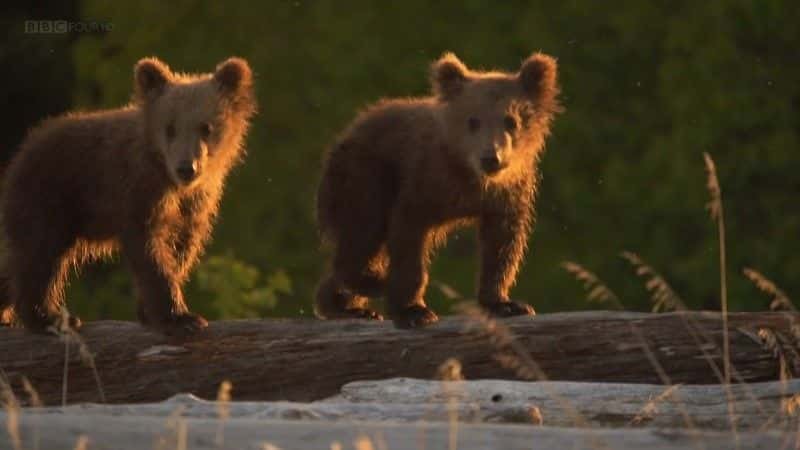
x: 37, y: 75
x: 648, y: 87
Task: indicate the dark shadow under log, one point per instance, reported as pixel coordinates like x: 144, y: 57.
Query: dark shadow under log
x: 304, y: 360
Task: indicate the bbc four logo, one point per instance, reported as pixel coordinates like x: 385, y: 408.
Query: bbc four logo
x: 65, y: 26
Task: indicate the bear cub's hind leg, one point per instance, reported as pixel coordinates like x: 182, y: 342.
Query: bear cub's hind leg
x: 335, y: 302
x: 6, y: 303
x: 37, y: 282
x: 359, y: 272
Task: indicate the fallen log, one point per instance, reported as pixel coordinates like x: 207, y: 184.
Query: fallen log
x: 745, y: 407
x: 303, y: 360
x: 64, y: 432
x: 752, y: 406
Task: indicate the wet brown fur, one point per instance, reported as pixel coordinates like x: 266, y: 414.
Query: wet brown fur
x: 84, y: 185
x: 407, y: 171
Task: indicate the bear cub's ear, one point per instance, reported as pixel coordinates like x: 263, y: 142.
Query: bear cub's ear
x: 448, y: 76
x: 150, y: 76
x: 538, y: 77
x: 234, y: 75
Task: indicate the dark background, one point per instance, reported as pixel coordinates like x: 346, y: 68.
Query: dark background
x: 648, y: 87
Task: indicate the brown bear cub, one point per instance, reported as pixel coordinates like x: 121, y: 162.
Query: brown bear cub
x: 146, y: 179
x: 407, y: 171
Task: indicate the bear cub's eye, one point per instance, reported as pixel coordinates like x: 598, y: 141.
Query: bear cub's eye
x: 205, y: 130
x: 510, y: 124
x: 474, y: 124
x: 170, y: 131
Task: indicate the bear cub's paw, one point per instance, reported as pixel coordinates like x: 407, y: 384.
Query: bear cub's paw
x: 510, y: 309
x: 52, y: 324
x: 7, y: 317
x: 362, y: 313
x: 180, y: 325
x: 414, y: 316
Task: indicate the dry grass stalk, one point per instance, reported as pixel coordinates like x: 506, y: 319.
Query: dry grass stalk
x: 784, y: 350
x: 450, y: 374
x: 70, y: 336
x: 708, y: 343
x: 448, y: 291
x: 695, y: 330
x: 650, y: 409
x: 62, y: 329
x: 82, y: 443
x: 663, y: 297
x: 449, y: 370
x: 790, y: 405
x: 12, y: 409
x: 714, y: 207
x: 596, y: 290
x: 178, y: 432
x: 665, y: 379
x: 514, y: 356
x: 182, y: 435
x: 718, y: 215
x: 363, y: 442
x: 223, y: 409
x: 780, y: 301
x: 35, y: 400
x: 788, y: 409
x: 178, y: 425
x: 536, y: 415
x: 797, y: 436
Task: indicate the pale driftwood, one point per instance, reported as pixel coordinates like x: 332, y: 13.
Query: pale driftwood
x: 304, y: 360
x: 756, y: 406
x: 136, y: 433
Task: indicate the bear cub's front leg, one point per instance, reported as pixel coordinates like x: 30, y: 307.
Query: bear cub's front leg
x: 503, y: 238
x: 409, y: 255
x: 160, y: 299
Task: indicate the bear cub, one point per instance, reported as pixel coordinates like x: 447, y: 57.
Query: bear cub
x: 145, y: 179
x: 407, y: 171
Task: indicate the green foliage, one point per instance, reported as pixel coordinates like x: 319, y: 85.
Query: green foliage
x: 648, y: 87
x: 102, y: 291
x: 237, y: 287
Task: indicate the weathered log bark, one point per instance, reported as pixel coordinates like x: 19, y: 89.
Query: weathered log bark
x: 306, y: 360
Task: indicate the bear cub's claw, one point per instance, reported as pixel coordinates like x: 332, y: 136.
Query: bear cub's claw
x: 52, y: 324
x: 181, y: 325
x: 362, y: 313
x: 75, y: 323
x: 510, y: 309
x: 7, y: 317
x: 414, y: 316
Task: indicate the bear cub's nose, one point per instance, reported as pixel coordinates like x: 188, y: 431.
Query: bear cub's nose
x: 490, y: 164
x: 186, y: 171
